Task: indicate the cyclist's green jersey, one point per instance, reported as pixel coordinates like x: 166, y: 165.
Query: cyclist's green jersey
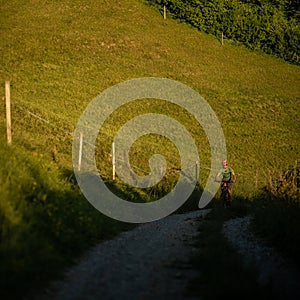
x: 226, y: 174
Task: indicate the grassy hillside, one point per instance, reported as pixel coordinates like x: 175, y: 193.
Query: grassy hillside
x: 59, y: 55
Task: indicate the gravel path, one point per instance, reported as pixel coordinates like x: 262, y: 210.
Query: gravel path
x: 283, y: 277
x: 149, y: 262
x: 153, y: 262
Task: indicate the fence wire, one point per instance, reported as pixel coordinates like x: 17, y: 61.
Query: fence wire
x: 172, y: 170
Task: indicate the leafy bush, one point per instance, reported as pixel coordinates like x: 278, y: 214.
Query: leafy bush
x: 270, y: 26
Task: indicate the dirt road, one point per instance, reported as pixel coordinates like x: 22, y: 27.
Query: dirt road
x: 153, y: 262
x: 149, y: 262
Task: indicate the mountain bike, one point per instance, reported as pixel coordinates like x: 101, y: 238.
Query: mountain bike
x: 225, y: 197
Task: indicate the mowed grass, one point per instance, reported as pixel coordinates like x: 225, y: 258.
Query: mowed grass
x: 59, y: 55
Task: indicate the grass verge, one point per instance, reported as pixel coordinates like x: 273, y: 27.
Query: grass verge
x: 277, y: 211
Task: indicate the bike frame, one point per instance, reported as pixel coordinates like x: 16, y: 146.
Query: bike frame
x: 225, y: 193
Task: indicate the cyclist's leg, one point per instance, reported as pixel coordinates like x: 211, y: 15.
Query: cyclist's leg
x: 229, y: 193
x: 223, y: 195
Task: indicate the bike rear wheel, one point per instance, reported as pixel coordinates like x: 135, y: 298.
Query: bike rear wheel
x: 225, y: 198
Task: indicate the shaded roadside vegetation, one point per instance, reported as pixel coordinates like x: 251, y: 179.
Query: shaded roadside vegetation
x: 45, y: 222
x: 276, y: 211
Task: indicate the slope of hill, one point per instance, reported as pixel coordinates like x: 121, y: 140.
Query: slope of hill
x: 60, y: 55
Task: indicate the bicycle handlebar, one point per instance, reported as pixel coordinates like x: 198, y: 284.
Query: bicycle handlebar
x: 228, y: 181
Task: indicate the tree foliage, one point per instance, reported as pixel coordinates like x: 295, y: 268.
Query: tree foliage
x: 268, y: 25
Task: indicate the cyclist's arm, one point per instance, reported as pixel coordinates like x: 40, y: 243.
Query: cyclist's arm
x: 234, y: 176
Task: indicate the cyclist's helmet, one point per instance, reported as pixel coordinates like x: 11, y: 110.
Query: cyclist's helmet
x: 224, y: 162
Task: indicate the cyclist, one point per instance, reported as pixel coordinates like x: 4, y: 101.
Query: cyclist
x: 226, y: 175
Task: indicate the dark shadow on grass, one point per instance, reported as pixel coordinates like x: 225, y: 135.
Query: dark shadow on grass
x: 57, y: 225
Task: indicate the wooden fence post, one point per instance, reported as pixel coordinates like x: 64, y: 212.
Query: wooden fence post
x: 114, y: 160
x: 165, y: 12
x: 80, y: 151
x: 8, y: 112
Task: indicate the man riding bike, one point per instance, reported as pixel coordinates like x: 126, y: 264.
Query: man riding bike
x: 226, y: 175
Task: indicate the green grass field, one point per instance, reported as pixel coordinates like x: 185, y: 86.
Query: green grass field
x: 59, y: 55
